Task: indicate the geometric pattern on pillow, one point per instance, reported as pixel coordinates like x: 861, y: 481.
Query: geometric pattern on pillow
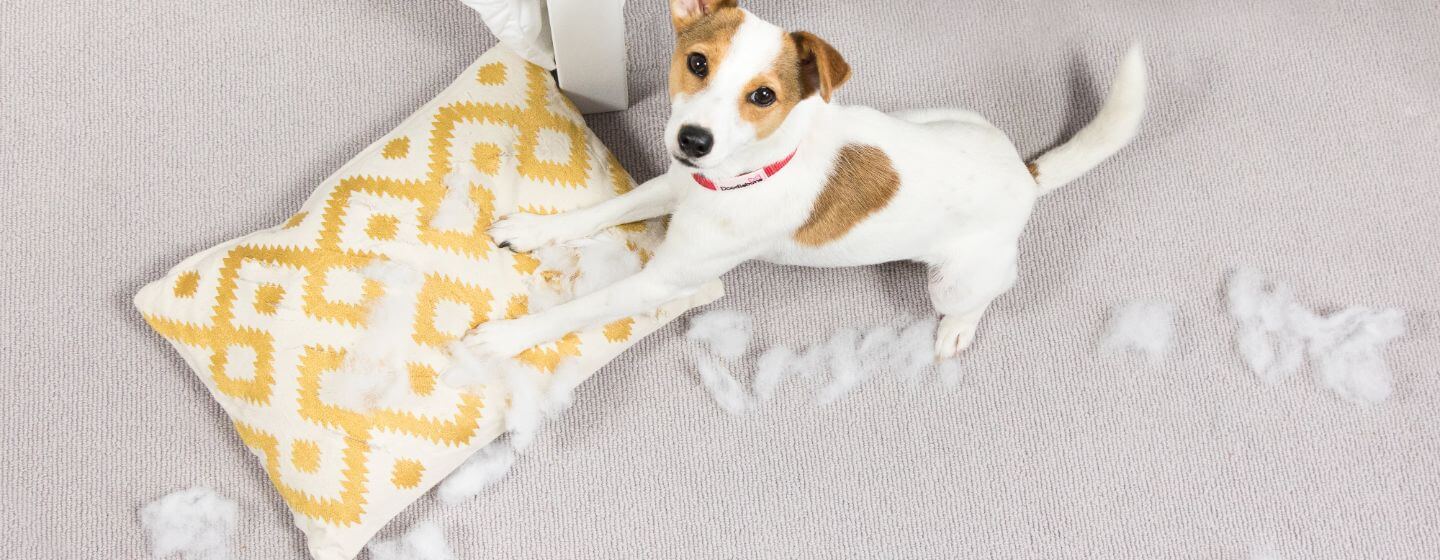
x: 267, y: 320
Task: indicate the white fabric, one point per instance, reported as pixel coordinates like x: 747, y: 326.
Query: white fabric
x: 521, y: 25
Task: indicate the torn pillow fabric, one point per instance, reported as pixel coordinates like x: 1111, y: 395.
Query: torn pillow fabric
x: 323, y: 338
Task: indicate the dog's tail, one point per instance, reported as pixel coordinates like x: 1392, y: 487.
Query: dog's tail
x: 1111, y: 130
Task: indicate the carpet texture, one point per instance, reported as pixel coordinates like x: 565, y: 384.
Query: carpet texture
x: 1295, y: 136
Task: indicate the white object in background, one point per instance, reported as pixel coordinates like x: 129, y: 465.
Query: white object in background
x: 589, y: 46
x: 521, y: 25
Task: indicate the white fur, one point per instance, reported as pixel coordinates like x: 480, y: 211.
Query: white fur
x: 1111, y: 130
x: 195, y: 524
x: 424, y: 541
x: 1143, y: 327
x: 964, y: 199
x: 716, y: 108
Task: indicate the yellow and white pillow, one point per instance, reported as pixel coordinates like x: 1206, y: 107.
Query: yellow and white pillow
x: 272, y: 322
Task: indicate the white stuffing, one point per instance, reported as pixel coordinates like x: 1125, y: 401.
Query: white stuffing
x: 774, y: 366
x: 578, y: 268
x: 728, y: 393
x: 1271, y: 325
x: 195, y: 524
x: 917, y: 343
x: 1144, y: 327
x: 726, y: 332
x: 424, y: 541
x: 457, y: 212
x: 529, y: 395
x: 483, y: 469
x: 950, y: 373
x: 1276, y: 334
x: 374, y: 372
x: 560, y: 394
x: 812, y: 362
x: 903, y: 348
x: 846, y: 372
x: 603, y: 260
x: 1345, y: 351
x: 526, y: 410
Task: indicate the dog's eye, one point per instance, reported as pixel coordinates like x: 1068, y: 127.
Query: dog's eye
x: 698, y: 64
x: 763, y: 97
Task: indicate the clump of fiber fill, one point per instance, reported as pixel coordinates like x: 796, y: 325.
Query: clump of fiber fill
x: 728, y: 393
x: 848, y: 359
x: 726, y: 332
x: 1345, y: 350
x: 457, y: 211
x: 424, y: 541
x: 196, y: 524
x: 1144, y: 327
x: 579, y: 268
x: 373, y: 374
x: 528, y: 395
x: 774, y: 366
x: 480, y: 471
x: 903, y: 348
x: 1271, y: 330
x: 846, y: 371
x: 1276, y: 333
x: 950, y: 373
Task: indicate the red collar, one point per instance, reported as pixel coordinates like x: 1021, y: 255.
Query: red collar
x: 745, y: 180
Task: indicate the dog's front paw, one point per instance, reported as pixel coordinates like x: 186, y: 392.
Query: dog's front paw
x: 953, y: 336
x: 526, y: 232
x: 502, y: 339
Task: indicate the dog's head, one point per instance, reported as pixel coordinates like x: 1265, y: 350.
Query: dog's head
x: 736, y: 79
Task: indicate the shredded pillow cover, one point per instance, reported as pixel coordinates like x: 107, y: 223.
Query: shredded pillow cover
x: 326, y: 338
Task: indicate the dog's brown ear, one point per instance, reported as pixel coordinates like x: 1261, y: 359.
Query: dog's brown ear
x: 685, y: 12
x: 822, y: 69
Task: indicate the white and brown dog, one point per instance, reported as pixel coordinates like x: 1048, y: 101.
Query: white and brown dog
x: 766, y: 167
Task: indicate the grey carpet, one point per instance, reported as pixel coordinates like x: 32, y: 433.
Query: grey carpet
x: 1296, y: 136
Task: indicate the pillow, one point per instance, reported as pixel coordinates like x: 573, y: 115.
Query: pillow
x: 324, y: 338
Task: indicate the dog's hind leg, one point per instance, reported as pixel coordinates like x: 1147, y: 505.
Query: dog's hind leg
x: 525, y: 232
x: 962, y: 288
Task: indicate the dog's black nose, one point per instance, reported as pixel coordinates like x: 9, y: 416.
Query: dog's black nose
x: 695, y: 141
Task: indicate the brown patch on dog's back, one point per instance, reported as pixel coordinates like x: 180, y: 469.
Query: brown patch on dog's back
x: 862, y: 182
x: 710, y: 35
x: 1034, y: 171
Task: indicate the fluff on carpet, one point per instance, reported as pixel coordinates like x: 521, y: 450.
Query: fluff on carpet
x: 483, y: 469
x: 424, y: 541
x: 1275, y: 334
x: 847, y: 360
x: 194, y: 524
x: 1144, y: 327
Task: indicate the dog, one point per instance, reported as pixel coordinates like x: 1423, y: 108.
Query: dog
x: 766, y: 167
